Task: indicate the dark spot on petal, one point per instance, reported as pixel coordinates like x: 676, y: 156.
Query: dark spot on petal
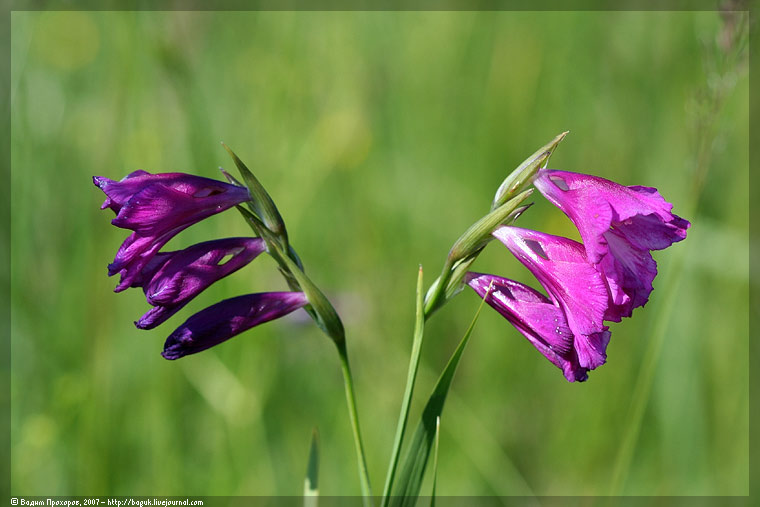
x: 537, y: 248
x: 503, y: 289
x: 559, y: 182
x: 208, y: 192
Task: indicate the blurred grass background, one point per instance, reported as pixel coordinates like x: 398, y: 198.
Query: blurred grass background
x: 381, y: 136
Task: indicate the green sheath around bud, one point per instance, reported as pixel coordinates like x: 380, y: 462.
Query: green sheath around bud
x: 262, y: 204
x: 521, y: 176
x: 467, y: 248
x: 479, y: 233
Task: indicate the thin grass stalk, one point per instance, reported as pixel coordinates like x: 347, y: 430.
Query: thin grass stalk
x: 403, y: 416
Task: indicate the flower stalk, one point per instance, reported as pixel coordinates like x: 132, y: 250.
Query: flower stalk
x: 403, y: 416
x: 348, y: 383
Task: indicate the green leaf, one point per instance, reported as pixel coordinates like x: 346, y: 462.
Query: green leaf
x: 410, y: 480
x: 521, y: 177
x: 403, y: 416
x: 311, y: 483
x: 435, y: 458
x: 262, y: 204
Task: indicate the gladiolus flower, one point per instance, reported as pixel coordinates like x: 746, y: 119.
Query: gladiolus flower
x: 540, y: 320
x: 157, y: 207
x: 182, y: 275
x: 577, y: 289
x: 619, y: 226
x: 229, y: 318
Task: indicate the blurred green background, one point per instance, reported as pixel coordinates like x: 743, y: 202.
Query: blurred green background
x: 381, y: 136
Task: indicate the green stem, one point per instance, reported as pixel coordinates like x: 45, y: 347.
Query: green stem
x: 403, y: 416
x: 354, y: 416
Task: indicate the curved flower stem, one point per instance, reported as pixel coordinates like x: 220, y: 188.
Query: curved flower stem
x: 322, y: 311
x: 354, y: 416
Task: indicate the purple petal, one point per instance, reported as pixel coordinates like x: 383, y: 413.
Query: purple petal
x: 190, y: 271
x: 629, y: 272
x: 228, y: 318
x: 158, y: 208
x: 560, y: 265
x: 535, y: 316
x: 150, y: 269
x: 135, y: 255
x: 592, y: 349
x: 595, y: 205
x: 157, y: 315
x: 619, y: 225
x: 187, y: 273
x: 119, y: 192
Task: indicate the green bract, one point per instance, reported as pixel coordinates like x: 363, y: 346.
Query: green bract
x: 521, y: 177
x: 261, y: 203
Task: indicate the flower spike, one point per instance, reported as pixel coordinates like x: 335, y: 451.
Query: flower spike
x: 157, y: 207
x: 521, y: 177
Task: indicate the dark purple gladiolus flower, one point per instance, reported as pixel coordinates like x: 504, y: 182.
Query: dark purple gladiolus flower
x: 182, y: 275
x: 157, y: 207
x: 619, y: 226
x: 228, y: 318
x: 540, y: 320
x: 573, y: 285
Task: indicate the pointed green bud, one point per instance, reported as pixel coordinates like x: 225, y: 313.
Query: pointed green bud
x: 467, y: 248
x: 479, y: 233
x: 262, y: 204
x: 520, y: 177
x: 462, y: 266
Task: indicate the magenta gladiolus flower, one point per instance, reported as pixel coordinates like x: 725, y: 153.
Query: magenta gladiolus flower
x: 182, y: 275
x: 229, y: 318
x: 540, y: 320
x: 574, y: 286
x: 619, y: 226
x: 157, y: 207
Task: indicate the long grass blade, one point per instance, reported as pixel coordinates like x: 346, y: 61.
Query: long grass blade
x: 410, y: 480
x: 414, y: 362
x: 435, y: 458
x: 311, y: 483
